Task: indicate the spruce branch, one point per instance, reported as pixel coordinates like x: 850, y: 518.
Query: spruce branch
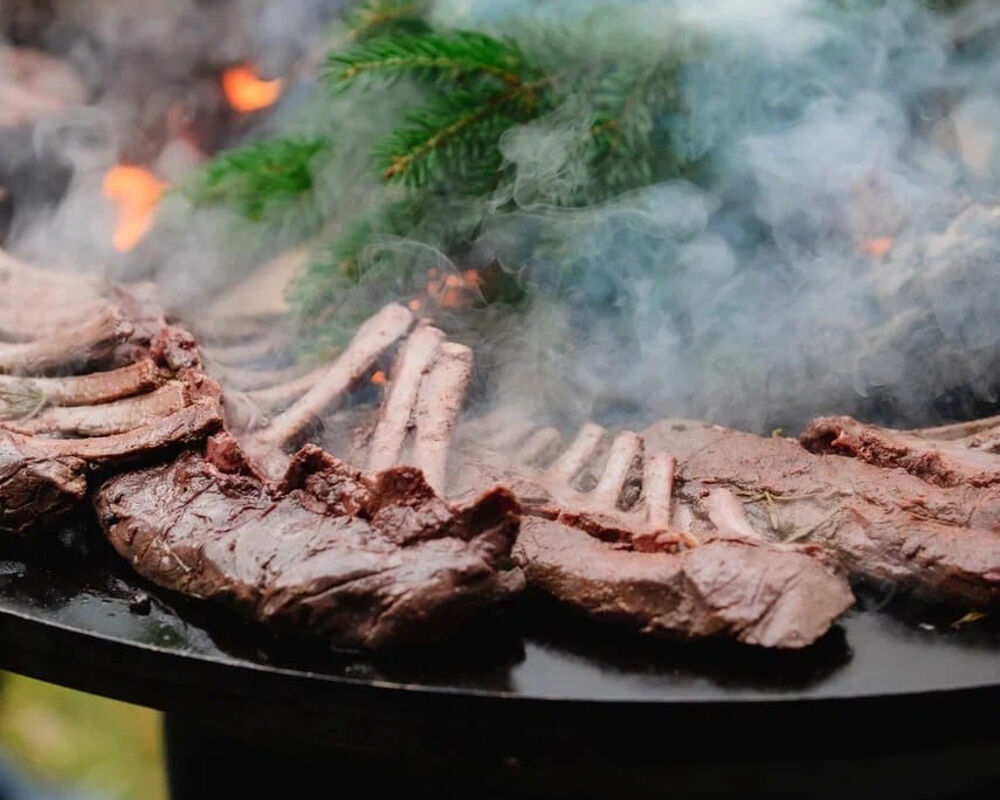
x: 250, y: 178
x: 378, y: 17
x: 433, y: 57
x: 456, y: 137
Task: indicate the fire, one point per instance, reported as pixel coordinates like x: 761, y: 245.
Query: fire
x: 452, y: 290
x: 878, y: 246
x: 135, y: 192
x: 245, y: 90
x: 378, y: 378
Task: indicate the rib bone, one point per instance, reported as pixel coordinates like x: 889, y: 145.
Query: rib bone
x: 22, y: 323
x: 373, y: 338
x: 414, y: 360
x: 541, y: 442
x: 285, y: 393
x: 569, y: 464
x: 727, y: 514
x: 659, y: 487
x: 105, y: 420
x: 442, y: 393
x: 188, y: 425
x: 67, y: 349
x: 85, y: 390
x: 625, y: 449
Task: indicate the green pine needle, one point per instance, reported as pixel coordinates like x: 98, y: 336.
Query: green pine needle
x: 378, y: 17
x: 432, y: 57
x: 454, y: 139
x: 251, y: 178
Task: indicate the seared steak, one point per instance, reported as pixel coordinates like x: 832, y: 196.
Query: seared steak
x: 881, y: 522
x: 968, y: 456
x: 752, y: 591
x: 369, y: 561
x: 644, y: 567
x: 123, y: 423
x: 42, y: 479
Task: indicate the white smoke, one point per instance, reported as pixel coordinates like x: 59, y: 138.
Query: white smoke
x: 761, y: 298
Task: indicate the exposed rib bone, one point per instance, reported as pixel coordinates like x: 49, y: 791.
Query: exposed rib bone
x: 658, y: 485
x: 23, y: 323
x: 235, y: 355
x: 108, y: 419
x: 959, y: 430
x: 16, y: 272
x: 622, y: 455
x: 234, y: 329
x: 541, y: 442
x: 442, y: 393
x: 190, y: 424
x: 514, y: 432
x: 414, y: 360
x: 249, y: 379
x: 569, y: 464
x: 285, y: 393
x: 373, y: 338
x: 86, y: 390
x: 67, y: 349
x: 727, y: 514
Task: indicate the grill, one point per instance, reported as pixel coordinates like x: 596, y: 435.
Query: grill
x: 537, y: 702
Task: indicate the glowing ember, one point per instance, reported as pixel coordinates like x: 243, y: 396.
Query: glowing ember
x: 245, y: 90
x: 135, y: 192
x: 379, y: 378
x: 878, y: 246
x: 414, y: 305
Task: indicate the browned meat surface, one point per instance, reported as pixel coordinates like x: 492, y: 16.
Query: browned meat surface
x: 122, y: 422
x: 22, y: 323
x: 623, y: 550
x: 36, y: 488
x: 81, y: 390
x: 70, y: 349
x: 881, y: 522
x: 964, y: 458
x: 23, y: 286
x: 751, y: 591
x: 369, y: 561
x: 104, y: 420
x: 41, y: 479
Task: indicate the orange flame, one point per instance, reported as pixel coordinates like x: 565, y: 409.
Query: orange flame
x: 878, y: 246
x: 245, y: 90
x: 135, y: 192
x: 378, y: 378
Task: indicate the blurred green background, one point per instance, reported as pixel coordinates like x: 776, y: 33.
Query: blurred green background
x: 73, y: 739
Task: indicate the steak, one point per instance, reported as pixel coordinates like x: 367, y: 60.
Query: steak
x: 950, y: 457
x: 366, y: 560
x: 306, y: 543
x: 883, y: 522
x: 154, y: 405
x: 637, y: 562
x: 751, y: 591
x: 43, y: 479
